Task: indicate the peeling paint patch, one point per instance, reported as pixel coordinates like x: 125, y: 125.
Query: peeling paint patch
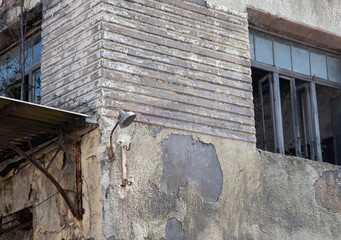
x: 174, y: 230
x: 154, y: 129
x: 328, y: 191
x: 188, y: 161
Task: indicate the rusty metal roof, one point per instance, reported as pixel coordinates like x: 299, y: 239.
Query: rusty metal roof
x: 21, y: 120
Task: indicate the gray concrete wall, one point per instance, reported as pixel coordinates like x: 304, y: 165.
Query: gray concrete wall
x: 195, y: 186
x: 185, y: 186
x: 184, y: 69
x: 325, y: 15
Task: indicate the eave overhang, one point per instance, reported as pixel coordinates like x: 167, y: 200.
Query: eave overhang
x: 287, y: 28
x: 20, y: 121
x: 24, y: 126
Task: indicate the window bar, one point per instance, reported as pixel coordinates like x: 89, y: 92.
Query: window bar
x: 278, y: 113
x: 310, y: 123
x: 315, y: 118
x: 295, y: 117
x: 273, y: 117
x: 260, y: 89
x: 304, y: 125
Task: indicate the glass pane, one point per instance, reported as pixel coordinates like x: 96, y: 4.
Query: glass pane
x: 3, y: 69
x: 282, y: 55
x: 13, y: 63
x: 300, y: 58
x: 28, y: 55
x: 252, y: 46
x: 37, y: 87
x: 334, y: 69
x: 318, y: 65
x: 37, y: 50
x: 264, y: 49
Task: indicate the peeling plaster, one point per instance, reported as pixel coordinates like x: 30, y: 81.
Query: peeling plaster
x: 174, y: 230
x: 188, y: 161
x: 328, y: 191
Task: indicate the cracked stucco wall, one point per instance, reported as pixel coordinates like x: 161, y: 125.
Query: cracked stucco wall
x: 24, y: 186
x: 100, y: 56
x: 151, y: 209
x: 324, y: 15
x: 263, y: 195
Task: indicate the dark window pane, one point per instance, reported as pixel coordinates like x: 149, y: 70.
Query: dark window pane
x: 3, y: 70
x: 28, y: 55
x: 13, y: 63
x: 282, y: 55
x: 300, y: 58
x: 37, y: 50
x: 318, y: 65
x: 334, y: 69
x: 264, y: 49
x: 37, y: 87
x: 252, y: 46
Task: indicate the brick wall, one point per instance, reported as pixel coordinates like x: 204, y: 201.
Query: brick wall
x: 71, y: 56
x: 175, y: 63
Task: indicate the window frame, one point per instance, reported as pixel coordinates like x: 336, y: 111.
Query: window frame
x: 273, y: 78
x: 291, y: 73
x: 29, y: 70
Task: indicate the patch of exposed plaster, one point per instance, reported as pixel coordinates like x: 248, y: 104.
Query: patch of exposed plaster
x: 154, y: 129
x: 328, y: 191
x: 188, y: 161
x: 174, y: 230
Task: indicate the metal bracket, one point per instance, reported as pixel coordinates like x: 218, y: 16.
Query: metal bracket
x: 76, y: 212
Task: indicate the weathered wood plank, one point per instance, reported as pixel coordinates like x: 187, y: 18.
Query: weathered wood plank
x: 171, y: 123
x: 188, y: 14
x: 81, y: 23
x: 62, y: 89
x: 165, y: 50
x: 178, y: 24
x: 188, y: 93
x: 173, y: 110
x: 160, y: 67
x: 226, y: 16
x: 181, y: 85
x: 192, y: 107
x: 74, y: 71
x: 55, y: 16
x: 71, y: 60
x: 233, y: 53
x: 184, y: 66
x: 91, y: 34
x: 173, y: 44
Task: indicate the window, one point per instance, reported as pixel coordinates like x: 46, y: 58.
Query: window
x: 10, y: 73
x: 297, y: 98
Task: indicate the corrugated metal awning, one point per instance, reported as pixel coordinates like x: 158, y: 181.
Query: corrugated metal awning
x: 21, y: 120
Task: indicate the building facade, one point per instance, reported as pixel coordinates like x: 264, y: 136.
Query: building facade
x: 237, y: 134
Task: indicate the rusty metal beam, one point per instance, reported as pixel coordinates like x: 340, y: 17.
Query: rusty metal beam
x: 47, y: 174
x: 79, y: 203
